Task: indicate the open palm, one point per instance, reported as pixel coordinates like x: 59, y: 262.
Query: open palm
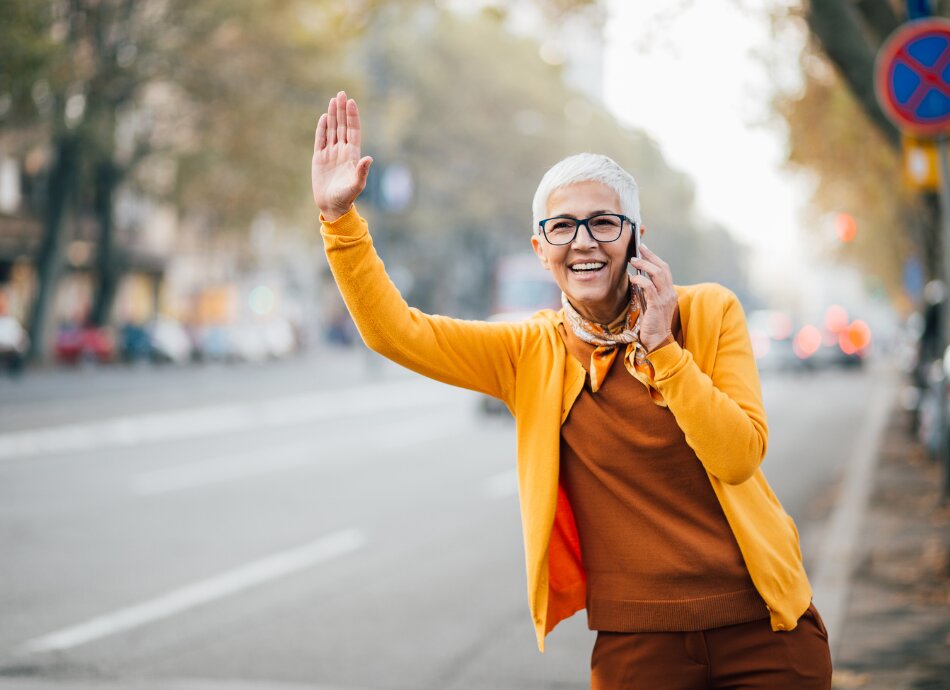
x: 337, y: 173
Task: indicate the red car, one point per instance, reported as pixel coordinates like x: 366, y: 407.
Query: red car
x: 78, y: 343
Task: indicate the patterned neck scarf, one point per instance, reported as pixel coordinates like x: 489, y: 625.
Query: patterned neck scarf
x: 607, y: 342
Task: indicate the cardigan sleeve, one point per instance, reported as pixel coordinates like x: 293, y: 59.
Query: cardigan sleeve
x: 477, y: 355
x: 720, y: 413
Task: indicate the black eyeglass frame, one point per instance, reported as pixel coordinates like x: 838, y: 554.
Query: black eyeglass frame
x: 586, y: 223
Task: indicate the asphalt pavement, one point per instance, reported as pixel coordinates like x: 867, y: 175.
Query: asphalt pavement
x: 329, y: 522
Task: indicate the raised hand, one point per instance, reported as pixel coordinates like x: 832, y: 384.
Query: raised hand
x: 337, y: 173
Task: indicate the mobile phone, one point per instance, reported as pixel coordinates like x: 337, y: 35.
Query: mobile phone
x: 633, y: 250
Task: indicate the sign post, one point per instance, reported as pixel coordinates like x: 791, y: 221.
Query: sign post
x: 912, y: 79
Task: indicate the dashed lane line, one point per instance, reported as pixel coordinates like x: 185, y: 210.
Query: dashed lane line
x: 205, y: 591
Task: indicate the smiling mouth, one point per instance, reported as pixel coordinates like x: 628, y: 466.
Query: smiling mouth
x: 588, y: 267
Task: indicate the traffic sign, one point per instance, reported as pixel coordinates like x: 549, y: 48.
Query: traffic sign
x: 912, y: 77
x: 921, y: 166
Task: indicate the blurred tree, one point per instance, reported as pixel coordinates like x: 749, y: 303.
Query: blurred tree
x: 856, y: 171
x: 478, y: 117
x: 859, y: 168
x: 850, y: 32
x: 209, y: 106
x: 838, y: 132
x: 218, y: 92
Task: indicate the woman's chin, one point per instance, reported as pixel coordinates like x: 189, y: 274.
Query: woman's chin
x: 591, y: 301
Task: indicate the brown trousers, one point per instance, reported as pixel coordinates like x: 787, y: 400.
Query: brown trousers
x: 748, y: 656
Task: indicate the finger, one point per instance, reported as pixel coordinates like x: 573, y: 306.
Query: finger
x: 649, y: 289
x: 331, y: 122
x: 320, y: 140
x: 352, y: 123
x: 649, y: 254
x: 645, y: 266
x: 362, y: 169
x: 341, y: 117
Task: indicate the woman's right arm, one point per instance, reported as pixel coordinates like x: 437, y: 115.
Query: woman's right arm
x: 472, y: 354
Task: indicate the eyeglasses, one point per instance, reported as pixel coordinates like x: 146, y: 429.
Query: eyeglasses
x: 604, y: 227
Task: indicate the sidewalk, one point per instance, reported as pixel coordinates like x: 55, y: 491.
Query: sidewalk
x: 896, y: 628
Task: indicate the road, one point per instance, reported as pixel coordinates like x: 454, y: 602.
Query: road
x: 330, y: 522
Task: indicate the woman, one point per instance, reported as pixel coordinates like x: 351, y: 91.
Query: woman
x: 640, y: 434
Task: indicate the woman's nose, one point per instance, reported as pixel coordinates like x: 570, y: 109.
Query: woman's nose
x: 583, y: 237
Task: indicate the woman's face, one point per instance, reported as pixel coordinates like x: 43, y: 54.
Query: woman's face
x: 602, y: 293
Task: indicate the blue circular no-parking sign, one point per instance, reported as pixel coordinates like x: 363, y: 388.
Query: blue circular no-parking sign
x: 912, y: 77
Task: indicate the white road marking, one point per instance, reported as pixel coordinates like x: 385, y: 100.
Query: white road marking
x: 221, y: 419
x: 838, y: 554
x: 203, y: 592
x: 501, y: 485
x: 382, y: 437
x: 223, y: 469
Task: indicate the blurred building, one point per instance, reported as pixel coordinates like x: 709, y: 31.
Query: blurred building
x: 19, y: 234
x: 145, y: 239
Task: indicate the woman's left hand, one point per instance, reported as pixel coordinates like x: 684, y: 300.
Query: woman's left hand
x: 656, y: 322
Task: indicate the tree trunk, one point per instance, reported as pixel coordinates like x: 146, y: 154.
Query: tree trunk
x: 61, y: 187
x: 108, y: 263
x: 846, y: 40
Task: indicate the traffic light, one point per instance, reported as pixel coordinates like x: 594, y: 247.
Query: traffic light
x: 846, y: 227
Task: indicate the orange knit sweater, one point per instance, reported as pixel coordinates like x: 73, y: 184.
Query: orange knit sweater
x: 655, y: 544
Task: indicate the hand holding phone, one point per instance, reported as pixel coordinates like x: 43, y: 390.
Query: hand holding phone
x: 633, y: 251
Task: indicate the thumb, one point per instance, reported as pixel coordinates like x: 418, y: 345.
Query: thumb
x: 362, y: 169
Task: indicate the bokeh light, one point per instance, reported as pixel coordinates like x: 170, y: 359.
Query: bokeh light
x: 846, y: 227
x: 261, y: 300
x: 761, y: 343
x: 855, y: 338
x: 780, y: 325
x: 807, y: 341
x: 836, y: 318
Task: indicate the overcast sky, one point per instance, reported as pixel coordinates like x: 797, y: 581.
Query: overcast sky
x: 692, y: 74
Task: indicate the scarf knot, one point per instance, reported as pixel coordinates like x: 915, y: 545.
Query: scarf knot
x: 607, y: 344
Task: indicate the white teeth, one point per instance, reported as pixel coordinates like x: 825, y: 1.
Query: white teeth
x: 586, y: 267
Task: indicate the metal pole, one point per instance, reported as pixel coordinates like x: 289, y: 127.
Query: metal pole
x: 944, y: 447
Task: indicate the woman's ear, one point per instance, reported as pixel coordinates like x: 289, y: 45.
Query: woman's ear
x: 536, y: 245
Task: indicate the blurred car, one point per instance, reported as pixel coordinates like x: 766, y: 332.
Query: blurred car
x: 780, y: 355
x: 14, y: 344
x: 215, y: 344
x: 521, y: 287
x: 279, y: 337
x: 134, y: 345
x: 74, y: 344
x: 770, y: 331
x: 169, y: 341
x: 252, y: 341
x: 834, y: 356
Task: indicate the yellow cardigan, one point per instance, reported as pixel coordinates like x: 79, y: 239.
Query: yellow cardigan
x: 711, y: 386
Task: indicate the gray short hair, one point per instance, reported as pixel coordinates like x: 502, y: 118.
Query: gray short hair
x: 588, y: 167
